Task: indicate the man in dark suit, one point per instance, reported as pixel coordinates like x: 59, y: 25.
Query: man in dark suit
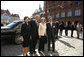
x: 51, y: 33
x: 72, y: 28
x: 61, y: 26
x: 34, y: 33
x: 57, y: 28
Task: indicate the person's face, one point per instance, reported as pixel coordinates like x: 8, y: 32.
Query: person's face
x: 37, y: 18
x: 43, y: 20
x: 50, y: 19
x: 26, y: 20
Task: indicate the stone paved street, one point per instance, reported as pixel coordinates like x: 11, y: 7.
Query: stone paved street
x: 64, y: 46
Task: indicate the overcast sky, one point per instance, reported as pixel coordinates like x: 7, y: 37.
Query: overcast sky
x: 23, y: 8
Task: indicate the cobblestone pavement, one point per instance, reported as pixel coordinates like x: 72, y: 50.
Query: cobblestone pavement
x: 64, y: 46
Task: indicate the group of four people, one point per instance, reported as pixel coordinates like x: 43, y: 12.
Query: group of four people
x: 34, y: 30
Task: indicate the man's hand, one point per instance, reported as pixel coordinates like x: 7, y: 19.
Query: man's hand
x: 30, y: 37
x: 55, y: 36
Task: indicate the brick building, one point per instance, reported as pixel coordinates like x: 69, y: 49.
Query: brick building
x: 65, y: 10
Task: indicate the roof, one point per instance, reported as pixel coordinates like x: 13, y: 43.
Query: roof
x: 5, y: 11
x: 8, y: 13
x: 15, y: 15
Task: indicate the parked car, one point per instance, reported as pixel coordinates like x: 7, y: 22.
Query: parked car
x: 11, y: 32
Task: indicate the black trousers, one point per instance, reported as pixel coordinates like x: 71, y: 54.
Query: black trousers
x: 51, y: 39
x: 33, y: 43
x: 61, y: 31
x: 57, y: 32
x: 66, y: 32
x: 41, y: 43
x: 72, y: 33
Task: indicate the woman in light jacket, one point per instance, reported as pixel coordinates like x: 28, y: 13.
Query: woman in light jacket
x: 42, y: 34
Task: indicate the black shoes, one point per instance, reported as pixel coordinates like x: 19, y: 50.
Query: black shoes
x: 71, y: 36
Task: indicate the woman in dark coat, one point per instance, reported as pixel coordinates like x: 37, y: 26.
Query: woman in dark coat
x: 25, y: 34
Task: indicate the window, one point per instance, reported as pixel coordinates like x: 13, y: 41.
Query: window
x: 53, y: 16
x: 69, y: 13
x: 63, y: 14
x: 48, y: 15
x: 78, y: 12
x: 57, y: 15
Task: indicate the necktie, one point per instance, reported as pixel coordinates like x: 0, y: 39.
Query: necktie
x: 37, y: 23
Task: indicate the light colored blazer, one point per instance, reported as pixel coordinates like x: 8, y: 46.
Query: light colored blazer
x: 42, y: 29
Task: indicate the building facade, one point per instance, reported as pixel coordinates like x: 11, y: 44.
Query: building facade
x: 15, y: 17
x: 7, y: 17
x: 39, y: 12
x: 65, y: 10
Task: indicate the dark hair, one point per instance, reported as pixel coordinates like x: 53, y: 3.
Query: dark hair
x: 26, y: 17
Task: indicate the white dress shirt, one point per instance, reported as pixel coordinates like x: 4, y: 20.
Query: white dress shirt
x: 51, y: 24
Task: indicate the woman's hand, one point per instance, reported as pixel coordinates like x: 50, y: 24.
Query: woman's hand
x: 39, y: 36
x: 21, y: 38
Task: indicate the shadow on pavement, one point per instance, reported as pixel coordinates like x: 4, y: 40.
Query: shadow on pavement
x: 49, y: 53
x: 67, y: 44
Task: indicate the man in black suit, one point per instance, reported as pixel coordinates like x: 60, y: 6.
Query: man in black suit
x: 61, y: 26
x: 57, y: 28
x: 34, y: 31
x: 51, y: 33
x: 72, y: 28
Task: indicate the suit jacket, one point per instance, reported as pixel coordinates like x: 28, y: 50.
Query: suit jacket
x: 34, y: 28
x: 51, y: 30
x: 57, y: 25
x: 72, y: 26
x: 61, y: 26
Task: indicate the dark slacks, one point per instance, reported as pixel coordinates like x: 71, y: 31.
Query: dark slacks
x: 66, y: 32
x: 56, y: 32
x: 33, y: 43
x: 61, y: 30
x: 42, y: 43
x: 72, y: 33
x: 51, y: 39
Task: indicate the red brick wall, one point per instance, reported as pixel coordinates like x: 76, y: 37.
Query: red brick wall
x: 52, y: 5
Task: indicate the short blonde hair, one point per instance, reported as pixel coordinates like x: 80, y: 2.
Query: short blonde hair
x: 43, y: 18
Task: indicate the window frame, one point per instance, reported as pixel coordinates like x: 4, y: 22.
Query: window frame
x: 62, y: 14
